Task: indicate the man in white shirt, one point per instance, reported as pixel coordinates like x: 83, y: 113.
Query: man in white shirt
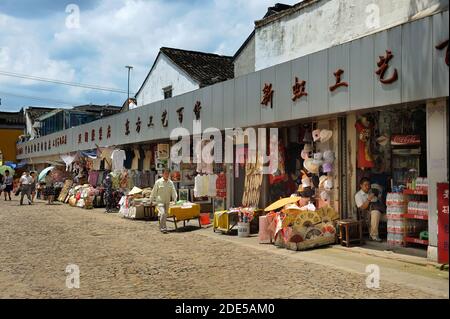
x: 363, y: 200
x: 163, y: 192
x: 25, y: 187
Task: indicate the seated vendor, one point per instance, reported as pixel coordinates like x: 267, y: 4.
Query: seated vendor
x: 367, y: 201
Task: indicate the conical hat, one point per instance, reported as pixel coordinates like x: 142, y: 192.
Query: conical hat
x: 282, y: 202
x: 135, y: 190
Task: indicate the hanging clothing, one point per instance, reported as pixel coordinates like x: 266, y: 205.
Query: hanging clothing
x: 105, y: 155
x: 212, y: 180
x: 198, y: 187
x: 93, y: 178
x: 129, y: 158
x: 118, y: 157
x: 141, y: 159
x: 68, y: 159
x: 365, y: 159
x: 221, y: 185
x: 136, y: 158
x: 148, y: 156
x: 96, y: 163
x: 124, y: 179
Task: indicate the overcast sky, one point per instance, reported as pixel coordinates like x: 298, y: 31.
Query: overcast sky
x: 38, y: 38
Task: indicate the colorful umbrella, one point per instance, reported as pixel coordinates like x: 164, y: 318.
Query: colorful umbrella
x: 5, y: 168
x: 44, y: 172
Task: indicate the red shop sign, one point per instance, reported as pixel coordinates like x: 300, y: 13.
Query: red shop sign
x: 442, y: 201
x: 405, y: 140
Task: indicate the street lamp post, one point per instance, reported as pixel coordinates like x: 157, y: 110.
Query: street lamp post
x: 129, y: 67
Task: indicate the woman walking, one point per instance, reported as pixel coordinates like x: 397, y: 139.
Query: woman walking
x: 49, y: 189
x: 107, y: 184
x: 33, y: 186
x: 8, y: 184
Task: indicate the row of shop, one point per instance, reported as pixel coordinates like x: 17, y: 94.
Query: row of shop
x: 392, y: 130
x: 315, y: 172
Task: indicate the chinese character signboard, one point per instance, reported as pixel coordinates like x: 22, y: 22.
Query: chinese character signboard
x: 442, y: 201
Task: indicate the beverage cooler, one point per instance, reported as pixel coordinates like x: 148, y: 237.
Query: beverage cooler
x: 405, y: 156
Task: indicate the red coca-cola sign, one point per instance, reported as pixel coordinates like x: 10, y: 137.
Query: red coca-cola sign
x: 405, y: 140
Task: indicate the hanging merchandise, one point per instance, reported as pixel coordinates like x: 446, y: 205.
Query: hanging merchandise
x: 316, y: 135
x: 136, y: 159
x: 310, y: 166
x: 279, y: 172
x: 328, y: 156
x: 118, y: 157
x: 212, y: 188
x: 221, y: 185
x: 147, y: 159
x: 318, y: 159
x: 325, y: 135
x: 364, y: 129
x: 253, y: 181
x: 306, y: 152
x: 308, y: 138
x: 327, y: 167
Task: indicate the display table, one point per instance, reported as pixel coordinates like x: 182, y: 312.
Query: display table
x: 179, y: 213
x: 225, y: 221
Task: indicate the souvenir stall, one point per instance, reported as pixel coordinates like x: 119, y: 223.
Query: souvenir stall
x: 392, y: 154
x: 289, y: 226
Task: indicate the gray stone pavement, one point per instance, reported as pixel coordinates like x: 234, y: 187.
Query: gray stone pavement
x: 120, y: 258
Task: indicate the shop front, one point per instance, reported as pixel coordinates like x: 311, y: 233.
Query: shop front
x: 375, y: 107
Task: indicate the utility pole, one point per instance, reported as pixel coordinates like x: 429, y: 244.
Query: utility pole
x: 129, y: 67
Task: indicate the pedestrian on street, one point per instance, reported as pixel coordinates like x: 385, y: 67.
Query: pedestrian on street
x: 8, y: 182
x: 33, y: 186
x: 49, y: 188
x: 108, y: 195
x: 163, y: 191
x: 25, y: 187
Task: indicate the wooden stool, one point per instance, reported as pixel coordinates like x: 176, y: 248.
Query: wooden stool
x: 347, y: 224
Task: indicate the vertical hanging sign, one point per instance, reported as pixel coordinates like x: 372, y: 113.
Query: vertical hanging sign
x: 442, y: 201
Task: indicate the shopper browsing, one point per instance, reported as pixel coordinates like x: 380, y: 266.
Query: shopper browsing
x: 163, y: 191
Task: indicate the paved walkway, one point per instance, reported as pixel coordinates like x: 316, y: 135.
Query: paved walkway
x: 120, y: 258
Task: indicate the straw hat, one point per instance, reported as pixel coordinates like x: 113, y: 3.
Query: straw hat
x: 325, y: 135
x: 318, y: 159
x: 292, y: 207
x: 316, y: 135
x: 327, y: 167
x: 325, y: 196
x: 322, y: 180
x: 308, y: 148
x: 311, y: 166
x: 304, y: 155
x: 328, y: 156
x: 306, y: 182
x: 135, y: 191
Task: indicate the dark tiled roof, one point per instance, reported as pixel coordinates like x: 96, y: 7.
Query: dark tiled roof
x: 205, y: 68
x: 12, y: 119
x: 36, y: 112
x: 276, y: 9
x: 92, y: 108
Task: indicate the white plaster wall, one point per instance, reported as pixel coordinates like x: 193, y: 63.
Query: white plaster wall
x: 437, y: 163
x: 164, y: 74
x: 245, y: 62
x: 328, y: 23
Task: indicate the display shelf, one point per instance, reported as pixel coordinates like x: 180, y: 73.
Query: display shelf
x: 415, y: 192
x: 415, y: 216
x: 413, y: 240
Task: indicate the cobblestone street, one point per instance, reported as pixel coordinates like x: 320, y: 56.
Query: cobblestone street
x: 121, y: 258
